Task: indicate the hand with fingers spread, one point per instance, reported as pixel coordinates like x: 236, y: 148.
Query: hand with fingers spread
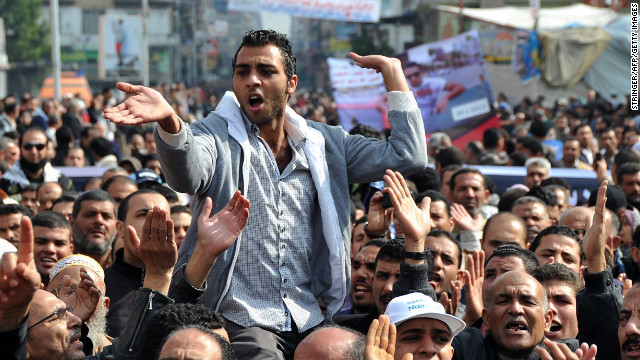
x: 381, y: 340
x: 593, y: 243
x: 464, y: 220
x: 561, y: 351
x: 390, y: 68
x: 156, y: 249
x: 378, y: 218
x: 83, y: 298
x: 216, y: 234
x: 414, y: 221
x: 19, y: 280
x: 473, y: 279
x: 451, y: 304
x: 143, y: 105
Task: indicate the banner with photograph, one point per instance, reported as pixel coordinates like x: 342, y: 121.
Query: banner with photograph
x: 341, y: 10
x: 359, y: 93
x: 120, y: 52
x: 451, y: 85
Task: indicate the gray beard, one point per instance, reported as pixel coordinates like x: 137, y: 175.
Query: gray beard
x: 98, y: 327
x: 84, y: 246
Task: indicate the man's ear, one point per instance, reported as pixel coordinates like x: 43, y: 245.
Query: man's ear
x: 292, y: 84
x: 635, y: 253
x: 106, y: 302
x: 485, y: 319
x: 615, y: 242
x: 548, y: 316
x: 120, y: 229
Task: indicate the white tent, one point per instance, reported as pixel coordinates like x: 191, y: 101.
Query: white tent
x: 550, y: 18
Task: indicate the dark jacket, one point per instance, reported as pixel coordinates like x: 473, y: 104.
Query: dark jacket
x: 598, y: 308
x: 121, y: 280
x: 470, y: 344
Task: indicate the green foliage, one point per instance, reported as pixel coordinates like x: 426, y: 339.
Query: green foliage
x: 27, y: 34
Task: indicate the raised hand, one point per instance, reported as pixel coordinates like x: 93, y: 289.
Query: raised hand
x: 218, y: 232
x: 390, y: 68
x: 157, y: 249
x: 378, y: 218
x: 464, y: 220
x: 415, y: 221
x: 562, y: 352
x: 474, y: 278
x: 594, y: 239
x: 143, y: 105
x: 82, y: 297
x: 451, y: 304
x: 19, y: 280
x: 381, y: 340
x: 215, y: 235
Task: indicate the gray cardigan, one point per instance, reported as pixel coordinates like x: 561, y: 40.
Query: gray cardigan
x: 214, y: 162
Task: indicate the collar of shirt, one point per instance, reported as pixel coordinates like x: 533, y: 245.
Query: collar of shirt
x: 296, y: 135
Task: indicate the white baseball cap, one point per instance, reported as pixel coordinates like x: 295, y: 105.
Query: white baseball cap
x: 418, y: 305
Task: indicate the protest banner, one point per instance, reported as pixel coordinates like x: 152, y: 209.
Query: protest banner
x: 451, y: 86
x: 342, y: 10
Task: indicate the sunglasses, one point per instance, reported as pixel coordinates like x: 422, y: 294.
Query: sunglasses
x: 60, y: 313
x: 28, y: 146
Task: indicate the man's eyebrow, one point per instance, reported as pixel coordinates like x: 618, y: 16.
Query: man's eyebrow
x: 417, y: 331
x: 437, y: 331
x: 625, y: 311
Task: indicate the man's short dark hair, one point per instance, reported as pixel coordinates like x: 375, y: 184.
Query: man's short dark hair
x: 10, y: 103
x: 92, y: 195
x: 8, y: 209
x: 124, y: 205
x: 51, y: 220
x: 179, y: 209
x: 65, y: 198
x: 625, y: 156
x: 425, y: 180
x: 391, y: 251
x: 439, y: 233
x: 435, y: 196
x: 375, y: 242
x: 257, y: 38
x: 545, y: 194
x: 533, y: 145
x: 175, y: 316
x: 627, y: 169
x: 118, y: 179
x: 556, y: 230
x: 355, y: 204
x: 491, y: 137
x: 557, y: 181
x: 367, y: 131
x: 539, y: 129
x: 558, y: 272
x: 528, y: 258
x: 101, y: 147
x: 575, y: 129
x: 509, y: 197
x: 449, y: 155
x: 465, y: 170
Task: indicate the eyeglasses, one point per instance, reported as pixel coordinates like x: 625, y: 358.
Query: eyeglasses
x: 28, y: 146
x: 60, y: 313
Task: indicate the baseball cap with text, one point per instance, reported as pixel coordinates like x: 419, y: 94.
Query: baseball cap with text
x: 418, y: 305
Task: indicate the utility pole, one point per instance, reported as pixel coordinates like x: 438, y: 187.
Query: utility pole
x: 145, y: 46
x: 55, y: 49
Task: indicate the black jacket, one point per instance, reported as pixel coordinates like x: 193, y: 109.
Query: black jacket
x: 121, y: 280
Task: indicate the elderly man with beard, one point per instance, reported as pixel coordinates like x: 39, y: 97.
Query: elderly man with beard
x: 72, y: 271
x: 34, y: 165
x: 94, y: 225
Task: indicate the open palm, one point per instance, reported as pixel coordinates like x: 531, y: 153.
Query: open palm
x: 83, y: 297
x: 414, y: 221
x: 142, y: 105
x: 218, y: 232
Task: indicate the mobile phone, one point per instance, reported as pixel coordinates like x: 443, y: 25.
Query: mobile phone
x: 386, y: 201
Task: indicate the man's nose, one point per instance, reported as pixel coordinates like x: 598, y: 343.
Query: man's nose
x: 427, y: 348
x: 516, y: 308
x: 253, y: 79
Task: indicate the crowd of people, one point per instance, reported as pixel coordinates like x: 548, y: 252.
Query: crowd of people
x: 262, y: 232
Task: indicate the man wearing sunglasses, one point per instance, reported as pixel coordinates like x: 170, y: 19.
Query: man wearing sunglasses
x: 34, y: 165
